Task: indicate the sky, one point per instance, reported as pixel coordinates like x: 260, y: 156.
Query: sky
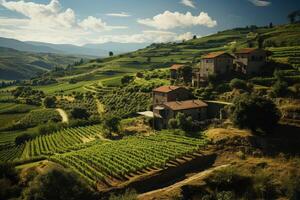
x: 133, y: 21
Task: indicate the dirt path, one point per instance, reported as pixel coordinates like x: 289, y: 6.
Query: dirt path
x: 100, y: 107
x: 179, y: 184
x: 63, y: 115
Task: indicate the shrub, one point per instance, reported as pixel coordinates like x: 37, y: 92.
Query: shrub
x: 238, y: 84
x: 58, y: 184
x: 23, y: 138
x: 228, y: 179
x: 80, y: 113
x: 254, y: 112
x: 50, y: 102
x: 112, y: 123
x: 279, y: 89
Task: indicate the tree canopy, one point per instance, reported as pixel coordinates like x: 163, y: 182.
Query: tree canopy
x: 255, y: 112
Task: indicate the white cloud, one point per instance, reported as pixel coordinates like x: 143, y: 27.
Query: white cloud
x: 49, y: 23
x: 189, y: 3
x: 121, y: 14
x: 147, y: 36
x: 260, y: 3
x: 185, y: 36
x: 170, y: 20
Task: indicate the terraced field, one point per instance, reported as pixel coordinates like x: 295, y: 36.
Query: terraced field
x: 60, y: 142
x: 117, y: 161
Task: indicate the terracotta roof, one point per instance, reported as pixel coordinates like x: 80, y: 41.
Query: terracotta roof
x: 215, y: 54
x: 166, y: 88
x: 176, y: 66
x: 185, y: 105
x: 246, y: 50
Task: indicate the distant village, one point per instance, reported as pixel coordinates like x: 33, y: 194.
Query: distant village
x: 170, y: 100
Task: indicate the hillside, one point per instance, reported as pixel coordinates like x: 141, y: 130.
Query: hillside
x: 277, y: 39
x: 24, y: 65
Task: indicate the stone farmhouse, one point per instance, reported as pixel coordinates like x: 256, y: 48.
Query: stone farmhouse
x: 250, y: 60
x: 213, y: 63
x: 168, y: 101
x: 245, y: 61
x: 174, y: 71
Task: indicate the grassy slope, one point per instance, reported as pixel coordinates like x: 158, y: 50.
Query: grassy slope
x: 108, y: 71
x: 163, y: 55
x: 23, y: 65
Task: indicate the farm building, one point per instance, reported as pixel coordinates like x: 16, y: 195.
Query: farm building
x: 170, y: 93
x: 250, y: 60
x: 213, y: 63
x: 174, y: 71
x: 197, y: 109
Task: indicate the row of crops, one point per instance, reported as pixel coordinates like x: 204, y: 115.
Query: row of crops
x: 123, y: 159
x: 59, y: 142
x: 87, y: 103
x: 290, y: 55
x: 126, y: 101
x: 11, y: 154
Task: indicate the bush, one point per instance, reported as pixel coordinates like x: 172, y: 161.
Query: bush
x: 254, y: 112
x: 59, y: 185
x: 227, y: 179
x: 50, y: 102
x: 279, y: 89
x: 238, y: 84
x: 112, y: 123
x: 80, y: 113
x: 23, y: 138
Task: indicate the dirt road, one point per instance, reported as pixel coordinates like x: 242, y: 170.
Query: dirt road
x: 179, y: 184
x: 63, y: 115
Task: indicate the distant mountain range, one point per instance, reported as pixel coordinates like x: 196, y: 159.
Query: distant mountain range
x: 95, y: 50
x: 16, y: 65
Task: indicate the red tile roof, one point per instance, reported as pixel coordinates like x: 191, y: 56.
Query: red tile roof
x: 176, y: 66
x: 166, y: 89
x: 185, y: 105
x: 215, y: 54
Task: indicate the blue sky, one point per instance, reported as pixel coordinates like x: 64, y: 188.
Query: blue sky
x: 99, y: 21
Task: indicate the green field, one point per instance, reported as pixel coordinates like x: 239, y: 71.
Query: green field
x: 126, y: 158
x: 60, y: 142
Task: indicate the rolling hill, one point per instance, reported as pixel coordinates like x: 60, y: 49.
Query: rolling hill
x: 24, y: 65
x: 276, y: 39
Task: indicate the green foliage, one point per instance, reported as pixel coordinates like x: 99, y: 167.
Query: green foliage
x: 61, y: 141
x: 50, y: 127
x: 255, y: 113
x: 37, y: 117
x: 21, y: 139
x: 9, y: 187
x: 112, y: 123
x: 121, y: 158
x: 127, y: 79
x: 127, y: 101
x: 238, y: 84
x: 79, y: 113
x: 28, y: 95
x: 58, y: 184
x: 16, y: 65
x: 49, y: 102
x: 279, y: 89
